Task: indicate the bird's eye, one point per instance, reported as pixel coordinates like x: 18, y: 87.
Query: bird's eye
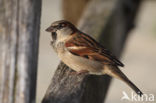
x: 63, y: 25
x: 60, y: 26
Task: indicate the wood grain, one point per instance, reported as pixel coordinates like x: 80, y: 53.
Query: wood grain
x: 19, y: 36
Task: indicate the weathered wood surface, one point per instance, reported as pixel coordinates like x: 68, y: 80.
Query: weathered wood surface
x: 19, y: 37
x: 109, y: 22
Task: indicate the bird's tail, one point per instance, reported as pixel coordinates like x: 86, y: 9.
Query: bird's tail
x: 117, y: 73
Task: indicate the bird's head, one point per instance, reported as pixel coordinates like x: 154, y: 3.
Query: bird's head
x: 61, y: 30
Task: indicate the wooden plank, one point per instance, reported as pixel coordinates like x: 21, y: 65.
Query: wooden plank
x: 19, y: 36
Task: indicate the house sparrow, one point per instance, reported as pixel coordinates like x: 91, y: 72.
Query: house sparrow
x: 83, y: 54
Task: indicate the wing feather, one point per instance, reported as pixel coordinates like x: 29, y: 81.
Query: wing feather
x: 84, y: 46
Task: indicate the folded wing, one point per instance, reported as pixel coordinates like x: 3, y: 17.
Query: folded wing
x: 86, y: 47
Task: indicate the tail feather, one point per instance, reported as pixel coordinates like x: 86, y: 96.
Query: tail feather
x: 117, y: 73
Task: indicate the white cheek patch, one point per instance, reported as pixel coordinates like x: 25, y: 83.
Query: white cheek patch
x: 63, y: 34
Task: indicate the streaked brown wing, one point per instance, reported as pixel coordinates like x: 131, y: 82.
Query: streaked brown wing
x: 84, y: 46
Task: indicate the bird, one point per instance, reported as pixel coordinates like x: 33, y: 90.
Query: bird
x: 83, y: 54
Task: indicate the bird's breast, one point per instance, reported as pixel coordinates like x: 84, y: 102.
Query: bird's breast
x: 78, y: 63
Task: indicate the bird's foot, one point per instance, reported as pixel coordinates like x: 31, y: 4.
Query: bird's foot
x: 79, y: 72
x: 82, y: 72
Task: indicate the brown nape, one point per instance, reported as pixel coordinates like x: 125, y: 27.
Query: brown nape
x: 74, y: 31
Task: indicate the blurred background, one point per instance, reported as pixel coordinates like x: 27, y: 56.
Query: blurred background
x: 139, y: 54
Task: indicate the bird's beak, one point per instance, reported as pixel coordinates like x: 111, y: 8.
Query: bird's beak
x: 49, y: 29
